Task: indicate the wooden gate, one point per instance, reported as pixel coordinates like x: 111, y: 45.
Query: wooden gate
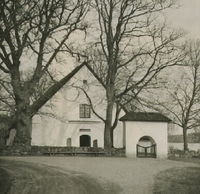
x: 146, y: 152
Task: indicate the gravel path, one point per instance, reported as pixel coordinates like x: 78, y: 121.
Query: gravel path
x: 133, y: 176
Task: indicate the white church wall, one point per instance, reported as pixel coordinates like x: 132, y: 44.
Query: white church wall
x: 157, y: 130
x: 52, y: 132
x: 49, y: 131
x: 95, y: 133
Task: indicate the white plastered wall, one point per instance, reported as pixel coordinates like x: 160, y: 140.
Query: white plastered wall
x: 51, y: 132
x: 134, y: 130
x: 48, y: 131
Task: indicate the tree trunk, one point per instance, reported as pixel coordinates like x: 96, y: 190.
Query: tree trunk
x: 6, y: 124
x: 112, y: 137
x: 3, y: 134
x: 23, y: 120
x: 23, y: 128
x: 22, y: 117
x: 185, y: 143
x: 107, y: 134
x: 108, y: 122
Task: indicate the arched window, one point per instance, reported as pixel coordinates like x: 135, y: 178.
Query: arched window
x: 69, y: 142
x: 85, y: 141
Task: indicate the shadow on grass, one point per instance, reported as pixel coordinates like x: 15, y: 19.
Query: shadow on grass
x: 5, y: 182
x: 29, y: 178
x: 178, y: 181
x: 192, y: 160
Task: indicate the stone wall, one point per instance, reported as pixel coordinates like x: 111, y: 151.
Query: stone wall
x: 176, y: 153
x: 21, y: 150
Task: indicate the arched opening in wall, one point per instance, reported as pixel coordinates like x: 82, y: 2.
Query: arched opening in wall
x: 85, y: 141
x: 69, y: 142
x: 146, y: 147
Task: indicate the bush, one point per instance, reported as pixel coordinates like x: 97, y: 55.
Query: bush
x: 182, y: 154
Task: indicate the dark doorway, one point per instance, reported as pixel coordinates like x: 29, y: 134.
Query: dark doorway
x: 85, y: 141
x: 146, y: 147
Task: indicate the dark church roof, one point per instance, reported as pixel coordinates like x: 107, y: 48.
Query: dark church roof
x: 145, y: 116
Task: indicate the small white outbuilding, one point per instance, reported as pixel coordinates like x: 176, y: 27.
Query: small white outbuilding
x: 145, y: 134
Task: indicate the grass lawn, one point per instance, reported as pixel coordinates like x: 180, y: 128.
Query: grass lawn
x: 26, y: 178
x: 105, y: 175
x: 178, y: 181
x: 5, y: 181
x: 192, y: 160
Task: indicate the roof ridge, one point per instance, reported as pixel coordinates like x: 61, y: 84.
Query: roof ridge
x: 145, y: 116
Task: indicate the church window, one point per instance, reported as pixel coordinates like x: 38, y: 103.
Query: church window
x: 84, y: 111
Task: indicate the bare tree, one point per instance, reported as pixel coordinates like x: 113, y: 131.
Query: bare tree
x: 132, y: 48
x: 6, y: 96
x: 39, y: 30
x: 181, y: 101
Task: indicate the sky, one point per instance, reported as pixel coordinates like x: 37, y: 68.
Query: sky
x: 187, y: 17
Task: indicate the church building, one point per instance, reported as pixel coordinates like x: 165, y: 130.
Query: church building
x: 68, y: 120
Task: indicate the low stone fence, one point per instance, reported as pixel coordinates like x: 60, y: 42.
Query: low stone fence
x: 176, y: 153
x: 46, y: 150
x: 21, y: 150
x: 17, y: 150
x: 118, y: 152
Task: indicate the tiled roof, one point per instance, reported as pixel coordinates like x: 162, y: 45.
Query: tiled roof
x: 145, y: 116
